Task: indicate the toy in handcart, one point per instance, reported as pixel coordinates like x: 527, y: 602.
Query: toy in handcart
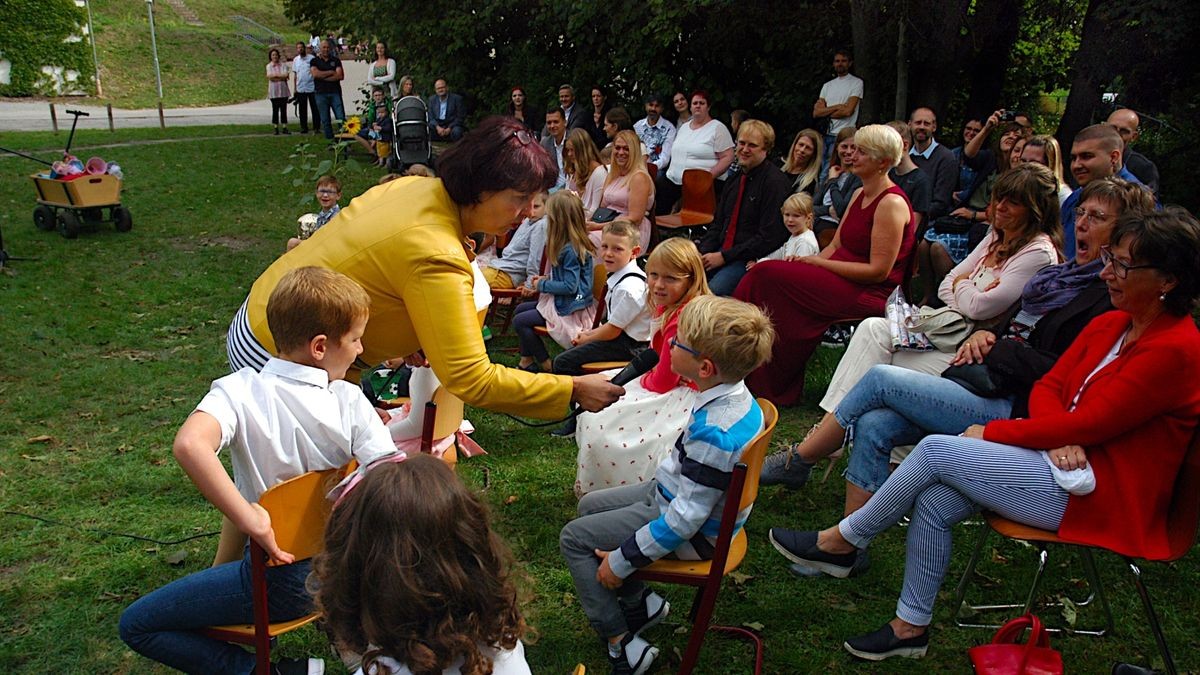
x: 75, y: 194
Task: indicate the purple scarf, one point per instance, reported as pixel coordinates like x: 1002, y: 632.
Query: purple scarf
x: 1054, y: 286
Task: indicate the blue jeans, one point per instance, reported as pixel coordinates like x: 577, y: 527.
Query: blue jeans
x: 830, y: 141
x: 165, y: 624
x: 525, y: 319
x: 324, y: 103
x: 893, y: 406
x: 724, y: 280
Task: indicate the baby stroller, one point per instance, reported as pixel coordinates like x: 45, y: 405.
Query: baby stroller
x: 410, y: 138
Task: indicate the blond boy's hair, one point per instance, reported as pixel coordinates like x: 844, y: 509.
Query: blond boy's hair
x: 801, y: 203
x: 329, y: 181
x: 624, y: 228
x: 312, y: 301
x: 736, y: 336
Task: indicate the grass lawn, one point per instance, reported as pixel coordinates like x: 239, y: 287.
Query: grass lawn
x: 201, y: 65
x: 112, y: 338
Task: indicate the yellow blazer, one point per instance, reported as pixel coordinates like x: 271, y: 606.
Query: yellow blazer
x: 403, y: 242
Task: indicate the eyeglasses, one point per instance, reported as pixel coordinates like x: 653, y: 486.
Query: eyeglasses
x: 677, y: 343
x: 1120, y: 269
x: 523, y: 136
x: 326, y: 191
x: 1093, y: 216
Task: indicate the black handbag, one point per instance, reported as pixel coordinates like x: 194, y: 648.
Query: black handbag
x: 952, y: 225
x: 975, y: 378
x: 604, y: 215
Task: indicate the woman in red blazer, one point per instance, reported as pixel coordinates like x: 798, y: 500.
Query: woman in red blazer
x: 1096, y: 460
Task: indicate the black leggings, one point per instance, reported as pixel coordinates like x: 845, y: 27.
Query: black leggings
x: 279, y: 110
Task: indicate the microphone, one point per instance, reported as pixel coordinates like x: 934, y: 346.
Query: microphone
x: 640, y: 365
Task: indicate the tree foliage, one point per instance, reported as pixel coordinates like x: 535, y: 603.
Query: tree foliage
x: 38, y: 33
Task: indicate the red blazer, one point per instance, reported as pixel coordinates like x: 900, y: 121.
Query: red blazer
x: 1135, y: 419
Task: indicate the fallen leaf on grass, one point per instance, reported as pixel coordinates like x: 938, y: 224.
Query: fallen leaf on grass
x: 754, y: 626
x: 177, y: 557
x: 44, y: 438
x: 35, y: 458
x: 510, y: 499
x: 739, y: 578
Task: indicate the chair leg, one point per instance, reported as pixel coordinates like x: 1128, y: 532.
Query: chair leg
x: 703, y: 615
x: 748, y: 635
x: 961, y: 592
x: 1089, y: 565
x: 1152, y: 617
x: 1043, y: 558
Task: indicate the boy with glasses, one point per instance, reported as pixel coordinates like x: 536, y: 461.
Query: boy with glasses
x: 329, y: 191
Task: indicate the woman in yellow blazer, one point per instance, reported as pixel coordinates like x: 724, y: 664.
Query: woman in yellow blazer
x: 403, y: 241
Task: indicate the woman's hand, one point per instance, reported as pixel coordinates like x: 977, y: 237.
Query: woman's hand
x: 1069, y: 457
x: 594, y: 392
x: 835, y: 171
x: 814, y: 260
x: 592, y: 225
x: 262, y: 533
x: 416, y: 360
x: 974, y: 348
x: 974, y: 431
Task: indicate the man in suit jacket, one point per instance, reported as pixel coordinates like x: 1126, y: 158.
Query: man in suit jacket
x: 574, y: 113
x: 553, y: 139
x: 446, y: 113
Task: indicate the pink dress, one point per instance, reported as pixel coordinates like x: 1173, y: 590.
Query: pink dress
x: 616, y: 197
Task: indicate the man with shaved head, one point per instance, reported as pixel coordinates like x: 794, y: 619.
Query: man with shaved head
x: 1127, y: 124
x: 1095, y: 153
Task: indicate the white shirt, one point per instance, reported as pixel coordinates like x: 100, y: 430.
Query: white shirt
x: 562, y: 172
x: 797, y: 246
x: 504, y: 662
x: 660, y: 136
x: 626, y: 302
x: 304, y: 78
x: 697, y: 148
x: 289, y: 420
x: 836, y: 92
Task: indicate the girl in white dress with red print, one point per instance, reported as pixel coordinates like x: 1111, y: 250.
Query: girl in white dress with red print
x: 624, y: 443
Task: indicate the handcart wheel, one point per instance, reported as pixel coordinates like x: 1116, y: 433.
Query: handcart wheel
x: 68, y: 224
x: 43, y: 217
x: 122, y: 219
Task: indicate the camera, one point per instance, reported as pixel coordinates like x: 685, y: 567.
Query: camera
x: 1008, y: 116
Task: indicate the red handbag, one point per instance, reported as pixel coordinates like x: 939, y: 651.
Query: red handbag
x: 1006, y: 656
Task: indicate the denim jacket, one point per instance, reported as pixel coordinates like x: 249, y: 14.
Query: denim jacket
x: 570, y: 282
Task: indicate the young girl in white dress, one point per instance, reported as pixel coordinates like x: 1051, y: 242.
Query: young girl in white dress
x: 624, y: 443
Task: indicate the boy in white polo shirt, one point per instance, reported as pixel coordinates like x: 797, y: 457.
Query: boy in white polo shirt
x: 297, y: 415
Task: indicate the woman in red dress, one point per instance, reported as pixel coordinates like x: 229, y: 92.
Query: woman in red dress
x: 851, y: 278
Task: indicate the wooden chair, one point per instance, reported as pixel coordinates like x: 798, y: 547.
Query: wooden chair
x: 706, y: 575
x: 698, y: 206
x: 298, y: 511
x: 1182, y: 520
x: 599, y: 278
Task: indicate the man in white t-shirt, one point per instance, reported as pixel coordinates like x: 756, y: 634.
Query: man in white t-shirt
x: 838, y: 101
x: 302, y: 84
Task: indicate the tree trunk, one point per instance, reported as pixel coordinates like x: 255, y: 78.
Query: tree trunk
x: 938, y: 51
x: 901, y: 111
x: 871, y: 58
x: 995, y: 28
x: 1091, y: 70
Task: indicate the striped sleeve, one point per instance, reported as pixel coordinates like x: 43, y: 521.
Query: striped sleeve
x: 693, y: 482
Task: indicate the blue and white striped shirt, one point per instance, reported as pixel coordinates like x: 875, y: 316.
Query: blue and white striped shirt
x: 692, y: 481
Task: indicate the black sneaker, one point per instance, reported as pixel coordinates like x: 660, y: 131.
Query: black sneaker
x: 785, y: 468
x: 861, y: 565
x: 649, y: 611
x: 635, y: 658
x: 298, y: 667
x: 801, y: 548
x: 567, y: 430
x: 883, y: 644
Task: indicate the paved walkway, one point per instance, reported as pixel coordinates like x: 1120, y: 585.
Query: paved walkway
x: 21, y: 115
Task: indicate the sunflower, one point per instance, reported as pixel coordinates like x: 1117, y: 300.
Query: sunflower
x: 352, y: 125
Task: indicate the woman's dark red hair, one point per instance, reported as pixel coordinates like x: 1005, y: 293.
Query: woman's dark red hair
x: 499, y: 154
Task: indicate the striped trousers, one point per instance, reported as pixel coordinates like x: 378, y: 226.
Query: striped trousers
x: 944, y: 481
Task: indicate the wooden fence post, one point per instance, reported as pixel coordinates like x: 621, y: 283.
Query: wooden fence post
x: 110, y: 117
x: 53, y: 118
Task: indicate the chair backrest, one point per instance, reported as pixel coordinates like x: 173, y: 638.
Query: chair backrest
x: 299, y: 510
x: 652, y: 169
x: 599, y: 278
x: 698, y: 193
x: 754, y: 454
x: 449, y: 413
x: 1184, y: 516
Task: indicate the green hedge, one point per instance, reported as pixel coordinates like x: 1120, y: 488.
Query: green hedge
x: 34, y: 36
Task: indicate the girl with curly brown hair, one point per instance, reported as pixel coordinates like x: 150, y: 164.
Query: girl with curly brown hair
x: 414, y: 578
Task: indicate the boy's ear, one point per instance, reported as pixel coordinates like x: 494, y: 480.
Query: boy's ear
x: 636, y: 251
x: 708, y: 368
x: 317, y: 347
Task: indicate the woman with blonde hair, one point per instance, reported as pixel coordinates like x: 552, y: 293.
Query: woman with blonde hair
x: 626, y: 443
x: 803, y: 161
x: 585, y: 172
x: 628, y: 189
x: 851, y: 278
x: 1044, y: 150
